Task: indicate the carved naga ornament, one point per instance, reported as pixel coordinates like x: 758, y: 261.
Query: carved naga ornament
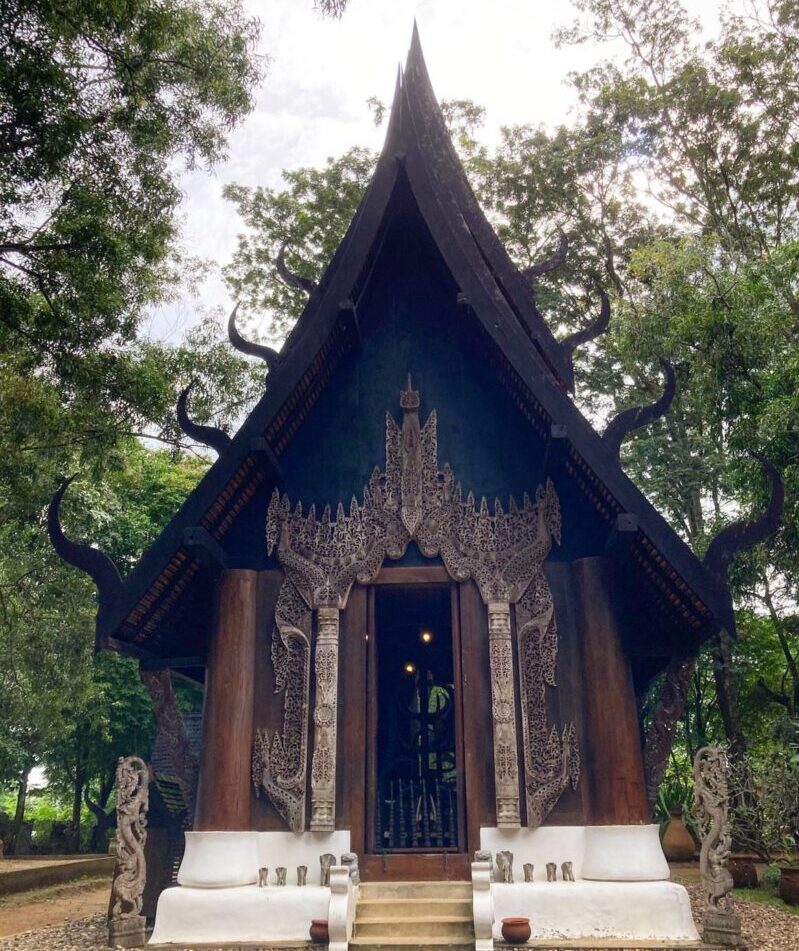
x: 127, y: 889
x: 503, y: 552
x: 711, y: 799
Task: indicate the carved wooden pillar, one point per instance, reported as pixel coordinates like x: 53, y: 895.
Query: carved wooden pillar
x: 323, y: 764
x: 223, y: 796
x: 618, y: 791
x: 503, y: 706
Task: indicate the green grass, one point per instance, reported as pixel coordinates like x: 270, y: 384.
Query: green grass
x: 762, y: 896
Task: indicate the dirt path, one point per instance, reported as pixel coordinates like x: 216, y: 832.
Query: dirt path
x: 43, y: 907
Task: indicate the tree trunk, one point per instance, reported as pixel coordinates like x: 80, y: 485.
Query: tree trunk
x: 727, y: 694
x: 77, y: 804
x: 19, y: 813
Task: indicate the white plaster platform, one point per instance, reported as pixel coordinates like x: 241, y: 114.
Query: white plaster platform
x: 656, y: 911
x: 621, y: 891
x: 216, y: 902
x: 245, y: 913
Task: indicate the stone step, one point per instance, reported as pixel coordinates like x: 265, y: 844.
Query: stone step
x: 455, y: 927
x: 403, y: 944
x: 427, y: 890
x: 369, y: 909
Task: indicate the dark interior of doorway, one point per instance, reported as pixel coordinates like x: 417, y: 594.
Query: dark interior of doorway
x: 417, y: 784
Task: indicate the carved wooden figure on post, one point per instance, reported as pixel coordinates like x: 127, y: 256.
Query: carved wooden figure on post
x: 711, y: 798
x: 126, y: 923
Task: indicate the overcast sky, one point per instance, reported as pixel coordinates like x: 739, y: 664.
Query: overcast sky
x: 313, y: 101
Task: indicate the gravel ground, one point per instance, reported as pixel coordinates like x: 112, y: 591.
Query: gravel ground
x: 768, y: 929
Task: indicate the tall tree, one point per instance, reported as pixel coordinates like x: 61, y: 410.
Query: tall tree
x: 713, y: 130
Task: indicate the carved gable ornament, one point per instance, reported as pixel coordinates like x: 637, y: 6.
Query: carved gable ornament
x: 322, y: 557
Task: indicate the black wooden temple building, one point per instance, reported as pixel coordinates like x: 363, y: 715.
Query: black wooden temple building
x: 420, y: 591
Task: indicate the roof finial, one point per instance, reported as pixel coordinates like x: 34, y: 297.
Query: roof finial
x: 635, y: 417
x: 210, y: 436
x: 409, y: 397
x: 94, y: 562
x: 746, y: 532
x: 290, y: 278
x: 270, y: 356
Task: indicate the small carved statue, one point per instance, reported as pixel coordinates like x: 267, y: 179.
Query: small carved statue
x: 552, y: 872
x: 567, y: 871
x: 263, y: 877
x: 505, y: 866
x: 302, y: 872
x: 350, y: 860
x: 126, y: 923
x: 528, y: 871
x: 326, y: 862
x: 280, y: 873
x: 711, y: 798
x: 483, y: 855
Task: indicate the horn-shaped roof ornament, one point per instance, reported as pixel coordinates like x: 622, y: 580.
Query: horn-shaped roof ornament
x: 270, y: 356
x: 595, y: 329
x: 745, y: 533
x: 92, y: 561
x: 635, y: 417
x: 554, y: 261
x: 209, y: 436
x: 292, y: 279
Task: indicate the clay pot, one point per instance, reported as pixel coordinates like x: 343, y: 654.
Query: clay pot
x: 744, y: 873
x: 678, y: 843
x: 516, y: 930
x: 789, y: 885
x: 319, y: 933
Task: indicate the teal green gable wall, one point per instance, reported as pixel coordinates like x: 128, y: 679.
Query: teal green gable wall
x: 410, y: 321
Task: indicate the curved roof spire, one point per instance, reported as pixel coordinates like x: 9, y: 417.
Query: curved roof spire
x: 436, y: 173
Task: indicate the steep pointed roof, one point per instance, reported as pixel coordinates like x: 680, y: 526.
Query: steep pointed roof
x: 418, y: 154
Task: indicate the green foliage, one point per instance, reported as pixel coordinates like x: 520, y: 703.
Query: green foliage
x: 310, y: 215
x: 765, y: 803
x: 770, y: 878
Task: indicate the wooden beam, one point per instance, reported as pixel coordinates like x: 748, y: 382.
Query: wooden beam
x: 349, y: 314
x: 259, y: 446
x: 623, y: 534
x: 123, y: 647
x: 204, y: 547
x: 412, y: 574
x: 557, y: 447
x: 171, y: 663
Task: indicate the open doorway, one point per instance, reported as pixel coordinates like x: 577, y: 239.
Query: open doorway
x: 415, y: 702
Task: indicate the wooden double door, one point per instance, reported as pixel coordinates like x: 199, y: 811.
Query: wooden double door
x: 414, y: 763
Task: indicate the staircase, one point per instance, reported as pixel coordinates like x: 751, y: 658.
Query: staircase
x: 396, y: 916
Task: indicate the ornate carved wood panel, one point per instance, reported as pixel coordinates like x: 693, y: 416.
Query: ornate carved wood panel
x: 323, y: 557
x: 279, y: 759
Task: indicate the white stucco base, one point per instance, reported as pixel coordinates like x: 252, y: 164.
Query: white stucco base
x: 600, y: 853
x: 630, y: 910
x: 215, y: 904
x: 621, y: 890
x: 238, y: 914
